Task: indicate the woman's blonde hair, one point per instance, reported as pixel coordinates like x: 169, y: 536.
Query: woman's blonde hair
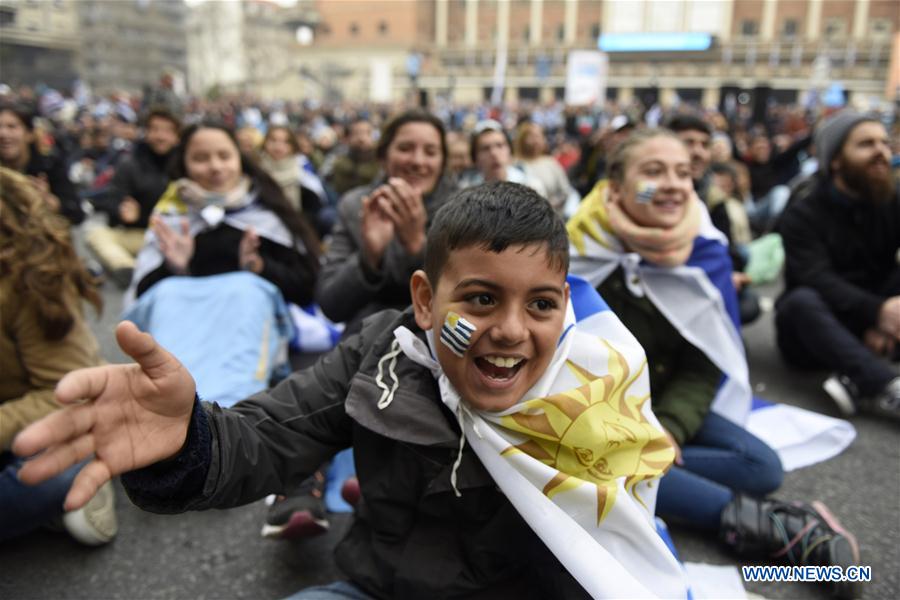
x: 621, y: 156
x: 37, y: 256
x: 521, y: 132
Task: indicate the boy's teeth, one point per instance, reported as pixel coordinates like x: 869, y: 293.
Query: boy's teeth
x: 500, y: 361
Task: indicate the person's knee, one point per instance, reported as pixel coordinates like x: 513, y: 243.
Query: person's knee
x: 799, y: 302
x: 768, y: 473
x: 95, y: 236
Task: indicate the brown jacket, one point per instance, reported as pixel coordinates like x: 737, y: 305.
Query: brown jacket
x: 30, y: 366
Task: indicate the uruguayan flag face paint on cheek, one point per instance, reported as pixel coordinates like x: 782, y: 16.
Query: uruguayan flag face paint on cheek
x: 456, y: 333
x: 645, y: 192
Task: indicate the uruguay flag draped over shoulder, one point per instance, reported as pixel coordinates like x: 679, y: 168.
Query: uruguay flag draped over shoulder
x: 581, y: 454
x: 698, y: 298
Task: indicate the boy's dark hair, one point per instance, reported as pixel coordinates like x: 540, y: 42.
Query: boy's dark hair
x: 688, y: 122
x: 495, y: 216
x: 161, y: 112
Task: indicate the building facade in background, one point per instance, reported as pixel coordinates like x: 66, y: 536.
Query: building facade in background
x: 388, y: 50
x: 782, y: 48
x: 38, y: 42
x: 128, y: 44
x: 248, y: 46
x: 108, y: 44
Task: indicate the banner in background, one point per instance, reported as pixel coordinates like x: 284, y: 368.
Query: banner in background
x: 380, y: 80
x: 586, y: 74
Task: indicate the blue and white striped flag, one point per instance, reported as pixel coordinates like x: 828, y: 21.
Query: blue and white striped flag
x: 456, y: 333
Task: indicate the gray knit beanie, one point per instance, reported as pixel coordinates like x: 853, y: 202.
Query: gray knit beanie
x: 830, y: 135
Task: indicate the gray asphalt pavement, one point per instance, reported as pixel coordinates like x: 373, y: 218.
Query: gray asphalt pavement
x: 220, y: 554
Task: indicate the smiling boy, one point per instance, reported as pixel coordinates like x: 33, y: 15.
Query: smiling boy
x: 432, y: 522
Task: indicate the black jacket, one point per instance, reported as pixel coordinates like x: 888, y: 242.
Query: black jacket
x: 412, y: 537
x: 142, y: 176
x: 216, y: 251
x: 53, y: 167
x: 843, y: 248
x: 780, y: 169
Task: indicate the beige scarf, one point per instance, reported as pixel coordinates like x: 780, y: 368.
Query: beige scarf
x: 285, y: 172
x: 199, y: 198
x: 663, y: 247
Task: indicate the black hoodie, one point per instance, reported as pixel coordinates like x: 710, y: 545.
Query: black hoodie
x: 144, y: 177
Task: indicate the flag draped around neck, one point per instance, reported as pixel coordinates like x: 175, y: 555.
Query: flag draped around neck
x: 172, y: 209
x: 699, y: 300
x: 581, y: 454
x: 698, y: 297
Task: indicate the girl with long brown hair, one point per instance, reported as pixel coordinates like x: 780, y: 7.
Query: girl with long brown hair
x: 43, y: 336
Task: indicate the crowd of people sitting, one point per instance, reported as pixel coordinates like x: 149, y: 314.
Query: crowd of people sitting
x: 207, y: 213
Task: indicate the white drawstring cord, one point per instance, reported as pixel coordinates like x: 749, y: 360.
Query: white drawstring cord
x: 387, y: 394
x: 424, y: 356
x: 461, y: 412
x: 459, y: 455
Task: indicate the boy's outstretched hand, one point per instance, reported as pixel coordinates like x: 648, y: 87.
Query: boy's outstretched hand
x: 126, y: 416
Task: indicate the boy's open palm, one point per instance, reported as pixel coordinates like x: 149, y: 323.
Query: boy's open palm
x: 126, y: 416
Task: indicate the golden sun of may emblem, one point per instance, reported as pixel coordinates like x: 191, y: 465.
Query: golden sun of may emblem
x: 594, y: 434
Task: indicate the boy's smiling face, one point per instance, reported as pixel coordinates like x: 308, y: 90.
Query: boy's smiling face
x: 516, y: 299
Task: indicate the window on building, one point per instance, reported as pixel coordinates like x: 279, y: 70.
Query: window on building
x: 383, y: 28
x: 595, y: 31
x: 7, y: 17
x: 526, y: 33
x: 560, y: 33
x: 749, y: 28
x: 354, y: 29
x: 790, y: 28
x: 835, y: 28
x: 881, y: 29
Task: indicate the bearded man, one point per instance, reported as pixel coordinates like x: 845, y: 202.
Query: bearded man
x: 841, y: 306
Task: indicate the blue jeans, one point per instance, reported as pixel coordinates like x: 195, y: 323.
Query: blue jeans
x: 339, y: 590
x: 24, y: 508
x: 721, y: 459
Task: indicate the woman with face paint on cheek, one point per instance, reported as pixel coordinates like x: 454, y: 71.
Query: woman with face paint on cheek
x: 633, y: 240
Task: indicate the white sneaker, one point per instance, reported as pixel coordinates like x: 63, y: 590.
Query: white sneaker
x: 94, y: 523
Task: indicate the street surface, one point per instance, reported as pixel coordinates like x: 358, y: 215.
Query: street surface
x: 220, y: 554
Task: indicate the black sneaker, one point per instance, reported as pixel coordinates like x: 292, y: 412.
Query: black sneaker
x: 844, y: 392
x: 797, y: 533
x: 885, y: 404
x: 299, y: 515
